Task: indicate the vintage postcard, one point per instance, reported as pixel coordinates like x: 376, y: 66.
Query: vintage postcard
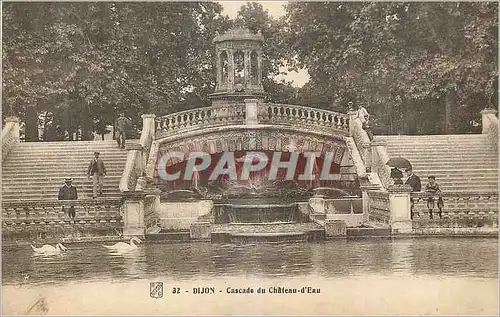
x: 249, y: 158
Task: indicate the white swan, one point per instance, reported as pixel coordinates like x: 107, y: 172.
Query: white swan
x: 48, y: 249
x: 122, y: 246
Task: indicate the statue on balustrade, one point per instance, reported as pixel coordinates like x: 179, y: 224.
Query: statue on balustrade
x: 434, y: 192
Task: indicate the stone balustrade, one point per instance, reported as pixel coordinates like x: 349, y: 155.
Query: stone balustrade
x: 199, y: 118
x: 284, y: 114
x: 45, y: 219
x: 379, y: 207
x: 10, y: 135
x: 268, y: 113
x: 460, y: 210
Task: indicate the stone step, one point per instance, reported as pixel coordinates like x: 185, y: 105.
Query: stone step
x: 6, y: 190
x: 442, y: 156
x: 48, y: 197
x: 62, y: 156
x: 442, y: 151
x: 456, y: 166
x: 54, y: 181
x: 65, y: 166
x: 74, y: 143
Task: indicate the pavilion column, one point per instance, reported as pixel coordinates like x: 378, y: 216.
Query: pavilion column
x: 230, y: 75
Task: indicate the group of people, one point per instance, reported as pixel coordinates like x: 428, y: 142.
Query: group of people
x: 96, y: 170
x: 431, y: 188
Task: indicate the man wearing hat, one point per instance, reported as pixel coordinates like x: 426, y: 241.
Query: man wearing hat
x: 68, y: 192
x: 121, y: 125
x: 97, y: 170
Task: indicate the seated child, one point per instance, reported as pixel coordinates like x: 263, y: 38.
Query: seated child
x: 432, y: 188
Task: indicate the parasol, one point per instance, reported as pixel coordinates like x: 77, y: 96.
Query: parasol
x: 399, y: 162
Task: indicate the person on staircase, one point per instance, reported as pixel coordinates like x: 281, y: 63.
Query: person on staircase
x: 434, y: 192
x: 97, y: 170
x: 68, y: 192
x: 122, y: 124
x: 416, y: 186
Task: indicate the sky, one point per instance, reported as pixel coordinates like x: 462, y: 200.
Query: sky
x: 275, y: 9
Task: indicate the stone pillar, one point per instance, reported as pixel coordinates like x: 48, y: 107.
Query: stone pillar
x: 259, y: 69
x: 16, y: 134
x: 251, y: 111
x: 247, y: 68
x: 488, y: 112
x: 218, y: 67
x: 148, y: 120
x: 400, y: 208
x: 230, y: 70
x: 133, y: 214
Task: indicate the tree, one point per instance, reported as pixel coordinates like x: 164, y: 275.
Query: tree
x: 84, y: 62
x: 400, y: 59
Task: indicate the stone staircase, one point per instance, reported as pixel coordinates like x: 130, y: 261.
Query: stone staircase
x: 461, y: 163
x: 34, y: 171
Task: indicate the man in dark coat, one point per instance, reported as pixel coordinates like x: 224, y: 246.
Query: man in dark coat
x: 414, y: 182
x: 97, y: 170
x: 68, y: 192
x: 121, y: 125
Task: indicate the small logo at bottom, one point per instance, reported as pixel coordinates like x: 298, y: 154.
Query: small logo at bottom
x: 156, y: 289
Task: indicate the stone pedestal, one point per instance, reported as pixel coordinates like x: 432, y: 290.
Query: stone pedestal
x: 16, y: 126
x: 317, y: 204
x: 400, y: 208
x: 133, y: 214
x: 200, y: 231
x: 335, y: 228
x: 251, y: 111
x: 486, y: 122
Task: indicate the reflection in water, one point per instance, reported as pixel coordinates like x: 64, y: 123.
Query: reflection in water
x: 466, y: 257
x: 402, y: 257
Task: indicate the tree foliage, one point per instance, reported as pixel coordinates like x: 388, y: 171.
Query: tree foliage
x: 411, y: 63
x: 419, y: 67
x: 89, y: 61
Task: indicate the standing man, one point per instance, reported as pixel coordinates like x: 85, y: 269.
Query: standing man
x: 122, y: 124
x: 97, y: 170
x: 414, y: 182
x: 68, y: 192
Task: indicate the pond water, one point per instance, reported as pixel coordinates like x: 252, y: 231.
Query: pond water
x: 436, y: 275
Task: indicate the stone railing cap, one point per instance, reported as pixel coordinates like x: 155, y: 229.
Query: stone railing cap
x: 399, y: 189
x: 148, y: 115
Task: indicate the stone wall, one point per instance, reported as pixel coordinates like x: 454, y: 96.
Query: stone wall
x: 180, y: 215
